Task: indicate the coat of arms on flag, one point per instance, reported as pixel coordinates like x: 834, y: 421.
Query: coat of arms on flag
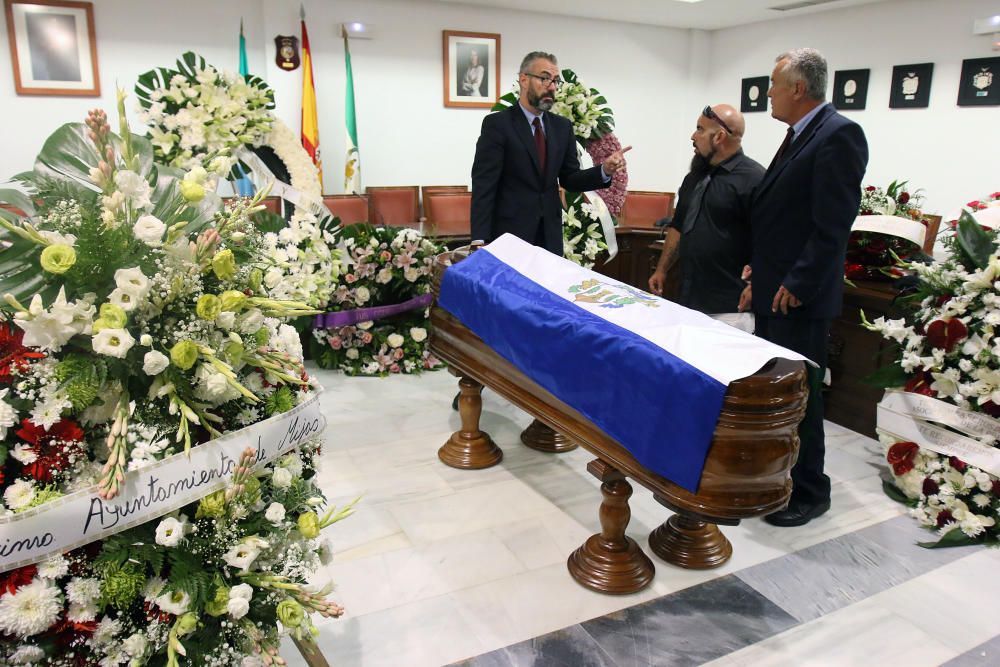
x: 611, y: 295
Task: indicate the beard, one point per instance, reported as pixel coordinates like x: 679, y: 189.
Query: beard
x: 701, y: 164
x: 541, y: 102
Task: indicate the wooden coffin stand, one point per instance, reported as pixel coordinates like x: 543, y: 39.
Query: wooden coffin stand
x: 747, y: 472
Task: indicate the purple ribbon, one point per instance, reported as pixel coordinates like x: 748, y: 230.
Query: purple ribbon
x: 345, y: 318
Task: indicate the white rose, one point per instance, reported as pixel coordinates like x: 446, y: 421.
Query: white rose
x: 394, y: 340
x: 149, y: 229
x: 169, y: 532
x: 352, y: 353
x: 243, y: 591
x: 154, y: 362
x: 281, y: 478
x: 113, y: 342
x: 238, y: 607
x: 364, y: 326
x: 275, y: 513
x: 361, y: 294
x: 418, y: 334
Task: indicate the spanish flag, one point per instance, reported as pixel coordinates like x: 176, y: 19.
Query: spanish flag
x: 310, y: 123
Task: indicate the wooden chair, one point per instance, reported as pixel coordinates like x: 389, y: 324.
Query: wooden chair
x: 643, y: 208
x: 394, y: 205
x: 930, y: 233
x: 424, y: 189
x: 351, y: 209
x: 448, y: 213
x: 272, y: 204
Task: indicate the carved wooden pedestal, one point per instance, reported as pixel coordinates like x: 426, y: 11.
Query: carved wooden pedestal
x: 611, y: 562
x: 470, y: 448
x: 544, y: 439
x: 689, y: 542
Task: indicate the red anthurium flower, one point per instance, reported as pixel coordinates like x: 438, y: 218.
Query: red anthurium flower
x: 22, y: 576
x: 900, y: 456
x: 13, y: 354
x: 54, y: 448
x: 944, y: 517
x: 930, y: 487
x: 919, y: 384
x: 946, y: 333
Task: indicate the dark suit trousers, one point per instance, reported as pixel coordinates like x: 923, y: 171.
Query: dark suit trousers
x: 807, y: 337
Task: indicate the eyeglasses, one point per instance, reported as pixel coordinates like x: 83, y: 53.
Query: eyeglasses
x: 545, y: 79
x: 711, y: 115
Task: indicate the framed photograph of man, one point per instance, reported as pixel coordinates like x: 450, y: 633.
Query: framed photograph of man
x: 471, y: 69
x: 980, y: 84
x: 753, y: 96
x: 52, y: 47
x: 911, y: 86
x: 850, y: 89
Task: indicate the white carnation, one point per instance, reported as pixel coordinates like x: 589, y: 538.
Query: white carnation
x: 154, y: 362
x: 53, y: 568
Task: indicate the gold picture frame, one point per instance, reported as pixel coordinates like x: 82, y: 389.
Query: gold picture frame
x: 471, y: 69
x: 53, y: 48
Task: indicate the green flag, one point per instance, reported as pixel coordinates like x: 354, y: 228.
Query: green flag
x: 244, y: 186
x: 352, y: 164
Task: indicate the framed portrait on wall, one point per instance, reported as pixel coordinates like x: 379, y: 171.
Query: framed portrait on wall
x: 850, y: 89
x: 980, y: 84
x: 753, y: 96
x: 52, y: 47
x: 471, y: 69
x: 911, y: 86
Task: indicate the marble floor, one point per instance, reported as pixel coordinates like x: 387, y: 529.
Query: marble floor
x: 442, y: 566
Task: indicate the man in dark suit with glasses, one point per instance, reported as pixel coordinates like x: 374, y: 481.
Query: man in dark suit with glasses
x: 523, y: 154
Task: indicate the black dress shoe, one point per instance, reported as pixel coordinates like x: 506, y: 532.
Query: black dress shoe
x: 798, y: 514
x: 454, y: 403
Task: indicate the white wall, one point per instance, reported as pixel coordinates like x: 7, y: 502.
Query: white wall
x: 657, y: 80
x: 952, y: 152
x: 406, y: 135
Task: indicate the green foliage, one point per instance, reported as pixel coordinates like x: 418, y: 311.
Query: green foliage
x: 975, y: 243
x: 955, y: 538
x: 896, y: 494
x: 187, y: 573
x: 82, y: 377
x: 892, y: 375
x: 137, y: 546
x: 122, y: 584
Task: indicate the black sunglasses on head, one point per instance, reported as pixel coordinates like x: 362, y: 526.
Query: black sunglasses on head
x: 711, y: 115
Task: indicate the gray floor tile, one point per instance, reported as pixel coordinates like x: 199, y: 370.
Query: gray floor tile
x: 986, y: 654
x: 569, y: 647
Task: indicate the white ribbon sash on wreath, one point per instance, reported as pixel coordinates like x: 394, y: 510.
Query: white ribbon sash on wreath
x: 893, y: 225
x: 988, y: 217
x: 151, y: 492
x: 603, y: 214
x: 260, y: 174
x: 907, y: 418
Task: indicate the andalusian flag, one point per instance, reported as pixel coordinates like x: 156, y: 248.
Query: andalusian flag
x: 352, y: 164
x: 310, y: 123
x: 244, y: 186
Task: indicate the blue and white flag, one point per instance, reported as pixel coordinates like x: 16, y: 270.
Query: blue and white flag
x: 649, y: 373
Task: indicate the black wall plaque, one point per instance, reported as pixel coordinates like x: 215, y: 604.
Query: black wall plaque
x: 754, y: 94
x: 980, y: 83
x: 911, y: 86
x: 850, y: 88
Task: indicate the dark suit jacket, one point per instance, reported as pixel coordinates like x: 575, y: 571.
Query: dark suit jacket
x: 802, y: 214
x: 509, y: 192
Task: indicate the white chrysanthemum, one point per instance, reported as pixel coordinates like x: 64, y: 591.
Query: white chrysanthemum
x: 30, y: 610
x: 106, y: 631
x: 23, y: 453
x: 83, y: 590
x: 154, y: 362
x: 81, y: 613
x: 53, y: 568
x: 20, y: 494
x: 8, y: 415
x: 27, y: 654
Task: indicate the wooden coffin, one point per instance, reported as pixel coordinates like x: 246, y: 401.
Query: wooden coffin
x: 747, y: 472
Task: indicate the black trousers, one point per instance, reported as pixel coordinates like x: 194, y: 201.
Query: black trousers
x: 808, y: 337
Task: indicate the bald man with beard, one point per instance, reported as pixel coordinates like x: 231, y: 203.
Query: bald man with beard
x: 710, y: 231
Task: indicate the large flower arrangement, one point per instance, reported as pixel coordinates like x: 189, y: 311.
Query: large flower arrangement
x: 872, y: 255
x: 986, y: 202
x: 200, y: 117
x: 139, y: 324
x: 196, y: 113
x: 583, y: 238
x: 949, y: 350
x: 383, y: 266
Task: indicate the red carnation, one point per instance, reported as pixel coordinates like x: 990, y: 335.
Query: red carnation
x: 870, y: 188
x: 958, y: 464
x: 904, y: 197
x: 900, y: 456
x: 996, y: 487
x: 944, y: 517
x: 54, y: 449
x: 13, y: 353
x: 930, y: 487
x: 22, y: 576
x: 995, y: 195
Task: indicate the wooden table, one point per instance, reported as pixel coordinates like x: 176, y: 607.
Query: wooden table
x: 747, y: 473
